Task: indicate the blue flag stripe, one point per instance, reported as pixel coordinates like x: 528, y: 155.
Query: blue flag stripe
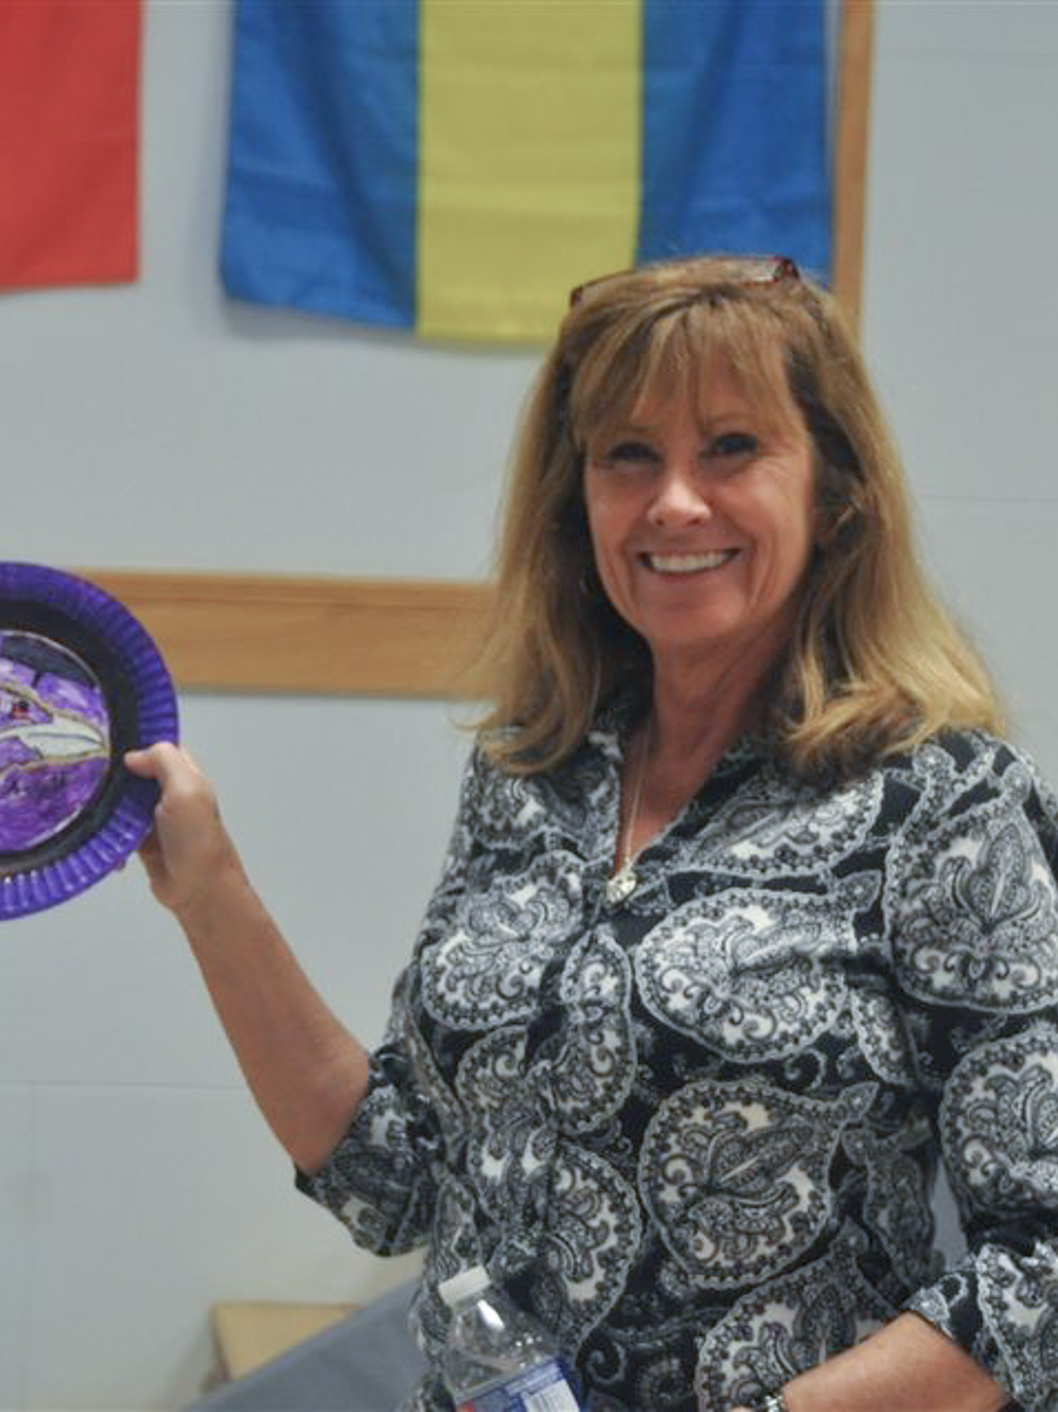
x: 321, y: 208
x: 734, y: 154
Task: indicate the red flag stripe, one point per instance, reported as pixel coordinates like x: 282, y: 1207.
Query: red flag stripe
x: 69, y: 111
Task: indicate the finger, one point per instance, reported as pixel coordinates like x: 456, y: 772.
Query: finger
x: 161, y: 761
x: 146, y: 761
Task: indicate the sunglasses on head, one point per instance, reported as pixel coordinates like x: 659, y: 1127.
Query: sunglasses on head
x: 738, y: 270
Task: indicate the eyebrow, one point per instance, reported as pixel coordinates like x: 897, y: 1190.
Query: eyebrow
x: 722, y: 414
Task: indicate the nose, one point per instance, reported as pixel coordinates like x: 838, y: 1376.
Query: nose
x: 680, y: 500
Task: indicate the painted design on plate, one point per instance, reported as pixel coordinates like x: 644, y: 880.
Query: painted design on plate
x: 54, y: 739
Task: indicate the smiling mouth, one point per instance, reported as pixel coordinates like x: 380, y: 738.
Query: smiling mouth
x: 688, y: 563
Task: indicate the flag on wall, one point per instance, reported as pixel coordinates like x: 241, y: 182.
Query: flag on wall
x: 69, y: 112
x: 455, y: 166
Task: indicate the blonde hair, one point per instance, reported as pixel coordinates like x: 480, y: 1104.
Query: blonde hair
x: 875, y: 664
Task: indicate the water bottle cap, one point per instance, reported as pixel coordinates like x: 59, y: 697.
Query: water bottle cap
x: 463, y: 1285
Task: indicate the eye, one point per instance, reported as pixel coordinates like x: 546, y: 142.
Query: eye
x: 630, y: 452
x: 733, y: 444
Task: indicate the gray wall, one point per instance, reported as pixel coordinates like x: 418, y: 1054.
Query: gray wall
x: 172, y: 429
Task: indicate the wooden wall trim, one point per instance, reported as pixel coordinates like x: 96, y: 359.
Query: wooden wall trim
x: 256, y: 632
x: 856, y: 44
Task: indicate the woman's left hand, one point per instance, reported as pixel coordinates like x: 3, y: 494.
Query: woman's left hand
x: 906, y: 1366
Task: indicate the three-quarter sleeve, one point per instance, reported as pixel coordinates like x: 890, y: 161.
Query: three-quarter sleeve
x: 973, y: 912
x: 381, y: 1180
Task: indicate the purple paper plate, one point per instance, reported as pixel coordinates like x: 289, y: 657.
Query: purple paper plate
x: 81, y: 682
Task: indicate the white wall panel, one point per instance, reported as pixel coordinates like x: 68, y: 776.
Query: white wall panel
x: 160, y: 1201
x: 961, y: 307
x: 999, y: 562
x: 18, y: 1204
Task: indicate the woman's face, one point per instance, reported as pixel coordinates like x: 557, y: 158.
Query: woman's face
x: 702, y: 523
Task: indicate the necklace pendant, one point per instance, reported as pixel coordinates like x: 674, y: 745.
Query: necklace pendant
x: 621, y: 885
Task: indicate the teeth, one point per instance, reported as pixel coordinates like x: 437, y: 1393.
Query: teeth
x: 688, y: 563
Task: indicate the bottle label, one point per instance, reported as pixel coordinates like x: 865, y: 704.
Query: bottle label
x: 544, y: 1388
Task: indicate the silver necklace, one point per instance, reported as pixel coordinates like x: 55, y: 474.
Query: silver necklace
x: 624, y: 882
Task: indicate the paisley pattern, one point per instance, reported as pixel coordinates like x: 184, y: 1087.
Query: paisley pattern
x: 898, y: 1199
x: 486, y: 971
x: 772, y: 827
x: 590, y: 1235
x: 748, y: 974
x: 736, y: 1176
x: 697, y: 1132
x: 1000, y: 1122
x: 1020, y: 1302
x: 593, y: 1071
x: 975, y: 911
x: 788, y: 1326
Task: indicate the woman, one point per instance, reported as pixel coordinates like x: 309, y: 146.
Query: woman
x: 747, y: 918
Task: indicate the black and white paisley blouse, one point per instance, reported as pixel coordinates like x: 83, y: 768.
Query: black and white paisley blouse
x: 697, y: 1132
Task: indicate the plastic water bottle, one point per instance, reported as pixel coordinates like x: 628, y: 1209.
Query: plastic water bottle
x: 497, y: 1357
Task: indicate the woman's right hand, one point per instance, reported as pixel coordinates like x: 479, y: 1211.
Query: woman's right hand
x: 189, y: 850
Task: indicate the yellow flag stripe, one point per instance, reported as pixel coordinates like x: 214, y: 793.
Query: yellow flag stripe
x: 529, y: 138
